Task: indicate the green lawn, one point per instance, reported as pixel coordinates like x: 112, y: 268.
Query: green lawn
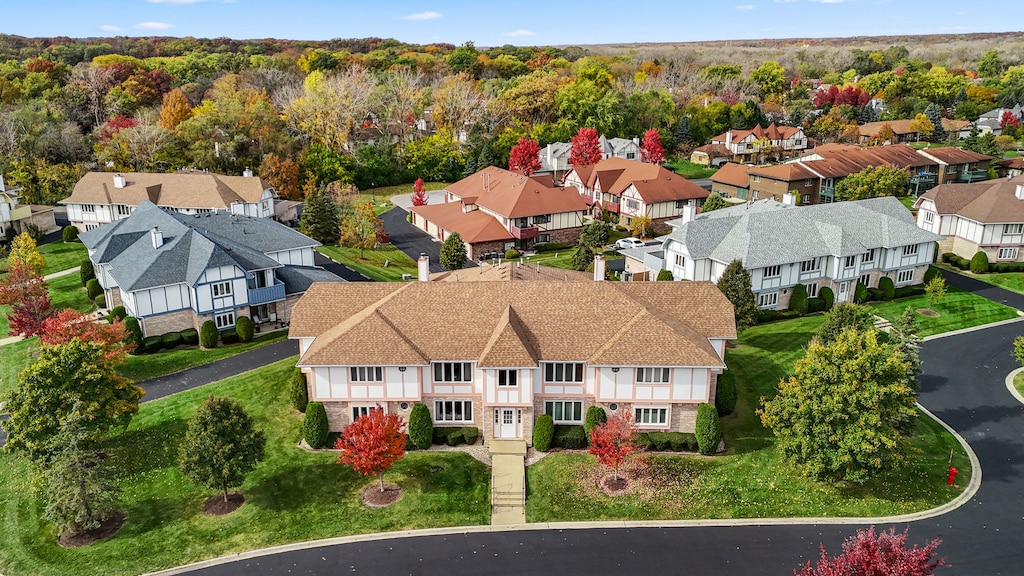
x: 292, y: 496
x: 752, y: 479
x: 372, y: 262
x: 381, y: 197
x: 1012, y: 281
x: 690, y: 170
x: 13, y: 359
x: 957, y: 310
x: 146, y: 366
x: 563, y: 258
x: 908, y: 202
x: 60, y: 256
x: 1018, y: 382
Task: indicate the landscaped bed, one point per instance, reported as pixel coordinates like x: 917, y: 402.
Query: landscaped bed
x: 293, y: 495
x: 751, y: 480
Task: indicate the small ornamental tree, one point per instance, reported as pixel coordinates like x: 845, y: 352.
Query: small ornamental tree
x: 707, y: 429
x: 298, y: 391
x: 595, y: 417
x: 651, y: 150
x: 68, y: 324
x: 133, y: 334
x: 1018, y: 349
x: 798, y: 300
x: 586, y: 148
x: 361, y: 228
x: 544, y: 431
x: 221, y: 445
x: 208, y: 334
x: 25, y: 250
x: 860, y: 293
x: 421, y: 427
x: 887, y: 287
x: 524, y: 157
x: 69, y: 234
x: 714, y: 201
x: 979, y: 262
x: 844, y: 316
x: 735, y: 284
x: 314, y: 426
x: 419, y: 193
x: 373, y: 443
x: 245, y: 328
x: 453, y: 252
x: 639, y: 226
x: 612, y: 441
x: 25, y: 291
x: 884, y: 554
x: 936, y: 290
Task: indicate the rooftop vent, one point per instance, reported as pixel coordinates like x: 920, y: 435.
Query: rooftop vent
x: 157, y: 237
x: 247, y: 172
x: 119, y: 181
x: 1019, y: 192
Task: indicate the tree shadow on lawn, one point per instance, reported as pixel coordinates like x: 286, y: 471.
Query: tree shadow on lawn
x: 154, y: 513
x: 304, y: 483
x: 140, y: 450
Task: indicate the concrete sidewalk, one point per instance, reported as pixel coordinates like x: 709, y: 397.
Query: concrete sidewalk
x: 508, y: 482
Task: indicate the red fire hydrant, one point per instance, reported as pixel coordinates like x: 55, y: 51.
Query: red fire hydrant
x: 952, y: 475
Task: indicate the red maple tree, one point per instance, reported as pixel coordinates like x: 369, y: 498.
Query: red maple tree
x: 884, y: 554
x: 1008, y: 118
x: 586, y: 148
x: 525, y: 156
x: 419, y: 195
x: 650, y: 149
x: 372, y: 443
x: 115, y: 125
x: 25, y: 291
x: 612, y: 441
x: 853, y: 95
x: 69, y: 324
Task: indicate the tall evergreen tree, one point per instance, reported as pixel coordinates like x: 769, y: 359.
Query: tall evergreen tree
x: 321, y: 217
x: 453, y: 252
x: 735, y: 284
x: 934, y: 114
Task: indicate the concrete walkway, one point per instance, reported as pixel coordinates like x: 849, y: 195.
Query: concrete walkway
x: 508, y: 482
x: 68, y: 272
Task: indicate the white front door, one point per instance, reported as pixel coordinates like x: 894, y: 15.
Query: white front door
x: 506, y: 422
x: 844, y: 292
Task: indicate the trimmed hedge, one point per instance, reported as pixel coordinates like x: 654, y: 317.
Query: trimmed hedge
x: 190, y: 336
x: 907, y: 291
x: 133, y: 333
x: 798, y: 300
x: 455, y: 436
x: 595, y: 417
x: 152, y: 344
x: 860, y: 293
x: 931, y: 273
x: 229, y: 336
x: 117, y: 313
x: 171, y: 339
x: 555, y: 247
x: 314, y: 425
x: 100, y: 300
x: 887, y: 287
x: 298, y: 392
x: 208, y: 334
x: 471, y: 434
x: 69, y: 234
x: 421, y: 427
x: 93, y: 288
x: 979, y: 262
x: 667, y: 441
x: 725, y: 396
x: 543, y: 432
x: 708, y: 429
x: 815, y: 305
x: 572, y: 437
x: 86, y: 271
x: 765, y: 316
x: 245, y: 328
x: 828, y: 297
x: 664, y: 275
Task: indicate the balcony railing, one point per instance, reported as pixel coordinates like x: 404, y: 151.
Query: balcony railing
x: 266, y: 294
x: 972, y: 176
x: 525, y: 232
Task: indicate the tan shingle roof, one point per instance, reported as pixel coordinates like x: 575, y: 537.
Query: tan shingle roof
x: 511, y: 271
x: 182, y: 189
x: 552, y: 321
x: 988, y: 202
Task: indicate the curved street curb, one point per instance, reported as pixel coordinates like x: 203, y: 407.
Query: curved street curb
x: 960, y: 500
x: 1013, y: 389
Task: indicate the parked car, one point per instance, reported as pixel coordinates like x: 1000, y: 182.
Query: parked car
x: 629, y: 243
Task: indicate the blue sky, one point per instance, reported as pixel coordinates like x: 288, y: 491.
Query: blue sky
x: 526, y: 22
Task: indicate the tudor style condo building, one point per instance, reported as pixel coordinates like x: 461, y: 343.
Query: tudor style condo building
x: 984, y: 216
x: 174, y: 272
x: 495, y: 354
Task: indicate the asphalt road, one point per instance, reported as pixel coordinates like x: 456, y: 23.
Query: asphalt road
x: 412, y: 240
x: 963, y: 384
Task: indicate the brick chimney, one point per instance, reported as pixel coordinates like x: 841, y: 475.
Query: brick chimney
x: 423, y: 268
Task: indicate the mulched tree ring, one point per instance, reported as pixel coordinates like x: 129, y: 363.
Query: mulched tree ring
x: 928, y: 312
x: 216, y: 506
x: 108, y: 528
x: 613, y: 487
x: 374, y: 498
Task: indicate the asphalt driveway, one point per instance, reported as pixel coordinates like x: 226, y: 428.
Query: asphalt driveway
x: 412, y: 240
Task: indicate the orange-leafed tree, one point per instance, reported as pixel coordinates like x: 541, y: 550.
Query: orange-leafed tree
x: 586, y: 148
x: 612, y: 441
x: 651, y: 150
x: 282, y: 174
x: 175, y: 109
x: 419, y: 193
x: 373, y: 443
x: 69, y: 324
x: 25, y: 291
x: 524, y: 157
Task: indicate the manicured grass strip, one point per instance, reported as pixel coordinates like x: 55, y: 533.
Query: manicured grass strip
x: 372, y: 262
x: 752, y: 480
x: 146, y: 366
x: 60, y: 256
x: 563, y: 258
x: 957, y: 310
x: 292, y: 496
x: 1018, y: 382
x: 13, y: 359
x: 690, y: 170
x: 1012, y: 281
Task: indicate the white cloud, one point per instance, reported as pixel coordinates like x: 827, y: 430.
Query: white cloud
x: 784, y: 1
x: 832, y: 1
x: 745, y: 7
x: 174, y: 1
x: 109, y: 28
x: 519, y: 33
x: 153, y: 26
x: 422, y: 16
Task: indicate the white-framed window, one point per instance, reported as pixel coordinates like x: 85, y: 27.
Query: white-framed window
x: 868, y: 256
x: 680, y: 260
x: 653, y: 375
x: 905, y: 276
x: 630, y: 155
x: 360, y: 411
x: 772, y: 271
x: 541, y: 238
x: 929, y: 217
x: 757, y: 178
x: 453, y: 372
x: 564, y: 411
x: 910, y: 250
x: 123, y: 210
x: 453, y: 411
x: 222, y: 289
x: 649, y: 416
x: 631, y: 204
x: 770, y: 299
x: 225, y: 320
x: 850, y: 262
x: 812, y: 265
x: 563, y: 372
x: 542, y: 219
x: 91, y: 226
x: 806, y: 199
x: 1007, y: 254
x: 366, y: 374
x: 865, y: 279
x: 812, y: 290
x: 508, y: 378
x: 808, y: 182
x: 1013, y: 228
x: 88, y: 208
